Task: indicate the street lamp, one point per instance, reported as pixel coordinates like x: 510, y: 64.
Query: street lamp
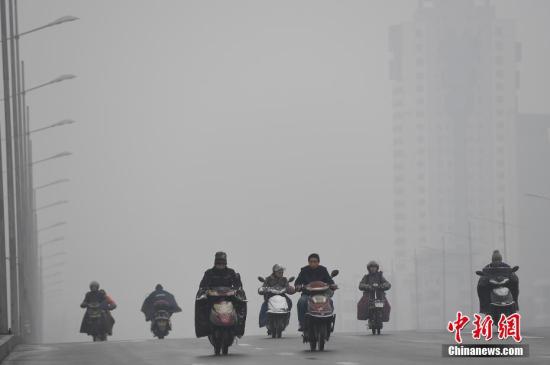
x: 54, y: 240
x: 59, y: 202
x: 538, y: 196
x: 51, y: 275
x: 53, y: 125
x: 50, y: 284
x: 63, y: 19
x: 54, y: 81
x: 59, y: 155
x: 52, y: 226
x: 62, y: 253
x: 60, y: 181
x: 52, y: 266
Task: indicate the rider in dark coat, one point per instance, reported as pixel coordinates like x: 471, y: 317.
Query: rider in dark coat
x: 159, y: 298
x: 373, y: 282
x: 97, y: 296
x: 308, y: 274
x: 483, y: 290
x: 219, y: 276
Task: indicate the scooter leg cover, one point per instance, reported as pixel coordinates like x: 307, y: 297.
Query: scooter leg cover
x: 363, y: 308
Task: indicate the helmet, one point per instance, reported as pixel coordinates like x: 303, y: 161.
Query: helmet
x: 278, y: 267
x: 372, y: 264
x: 94, y: 284
x: 497, y: 257
x: 220, y: 257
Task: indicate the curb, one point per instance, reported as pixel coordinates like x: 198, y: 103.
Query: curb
x: 7, y: 344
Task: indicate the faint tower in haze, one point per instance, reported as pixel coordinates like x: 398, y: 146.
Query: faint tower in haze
x: 454, y: 69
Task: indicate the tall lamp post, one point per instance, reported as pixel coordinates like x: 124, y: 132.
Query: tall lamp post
x: 56, y: 182
x: 4, y: 326
x: 21, y: 217
x: 26, y: 241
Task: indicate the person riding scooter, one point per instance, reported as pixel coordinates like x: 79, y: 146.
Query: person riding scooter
x: 276, y: 279
x: 159, y: 299
x: 308, y: 274
x: 219, y: 276
x: 374, y: 286
x: 483, y: 288
x: 100, y: 300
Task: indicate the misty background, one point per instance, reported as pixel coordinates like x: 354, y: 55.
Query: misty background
x: 260, y: 128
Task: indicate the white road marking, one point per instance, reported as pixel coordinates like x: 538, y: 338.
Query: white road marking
x: 134, y: 340
x: 347, y: 363
x: 244, y: 344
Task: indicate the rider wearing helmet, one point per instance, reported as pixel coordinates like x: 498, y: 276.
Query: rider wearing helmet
x: 373, y: 285
x: 94, y: 296
x: 276, y: 279
x: 374, y: 277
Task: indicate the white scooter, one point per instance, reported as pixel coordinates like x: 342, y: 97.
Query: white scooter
x: 278, y: 312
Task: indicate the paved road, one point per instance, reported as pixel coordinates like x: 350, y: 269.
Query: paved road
x: 343, y: 349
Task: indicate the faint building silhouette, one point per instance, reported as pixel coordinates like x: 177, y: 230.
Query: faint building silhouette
x: 533, y: 133
x: 454, y: 69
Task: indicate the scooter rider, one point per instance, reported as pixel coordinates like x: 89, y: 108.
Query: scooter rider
x: 374, y: 286
x: 310, y: 273
x: 374, y: 279
x: 100, y: 297
x: 276, y: 279
x: 483, y: 290
x: 159, y: 298
x: 219, y: 276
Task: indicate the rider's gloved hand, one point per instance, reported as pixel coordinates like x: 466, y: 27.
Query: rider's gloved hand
x: 261, y: 290
x: 201, y: 294
x: 298, y: 287
x: 333, y: 286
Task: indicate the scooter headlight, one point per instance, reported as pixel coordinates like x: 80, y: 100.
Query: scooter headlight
x: 502, y: 291
x: 319, y: 299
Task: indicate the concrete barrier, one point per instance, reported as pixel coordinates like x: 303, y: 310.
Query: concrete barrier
x: 7, y: 344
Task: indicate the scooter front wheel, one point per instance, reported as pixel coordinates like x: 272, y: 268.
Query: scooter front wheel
x: 313, y: 345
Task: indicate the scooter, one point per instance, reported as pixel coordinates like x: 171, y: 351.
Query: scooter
x: 278, y: 312
x: 161, y: 325
x: 502, y: 301
x: 223, y: 318
x: 96, y: 322
x: 376, y: 306
x: 320, y: 317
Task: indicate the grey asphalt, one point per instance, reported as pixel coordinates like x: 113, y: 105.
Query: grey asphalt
x: 343, y: 349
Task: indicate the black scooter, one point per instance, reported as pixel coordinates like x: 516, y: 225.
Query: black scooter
x: 499, y: 283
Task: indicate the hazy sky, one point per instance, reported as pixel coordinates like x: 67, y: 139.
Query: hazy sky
x: 262, y: 128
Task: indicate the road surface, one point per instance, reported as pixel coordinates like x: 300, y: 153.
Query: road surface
x: 344, y: 349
